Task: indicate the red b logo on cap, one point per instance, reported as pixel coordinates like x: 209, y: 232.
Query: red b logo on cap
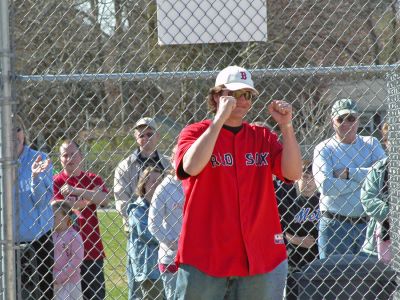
x: 243, y: 75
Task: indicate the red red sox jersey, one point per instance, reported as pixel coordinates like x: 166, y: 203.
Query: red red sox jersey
x: 231, y: 224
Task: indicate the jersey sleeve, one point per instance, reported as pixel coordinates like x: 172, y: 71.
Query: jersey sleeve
x: 186, y: 138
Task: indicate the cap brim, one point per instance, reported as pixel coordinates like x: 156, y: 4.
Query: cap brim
x: 344, y: 112
x: 144, y: 125
x: 240, y: 86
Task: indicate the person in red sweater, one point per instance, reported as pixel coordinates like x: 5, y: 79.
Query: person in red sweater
x: 231, y: 245
x: 86, y: 191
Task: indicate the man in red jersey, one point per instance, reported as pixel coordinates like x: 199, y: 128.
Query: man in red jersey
x: 231, y: 245
x: 87, y: 191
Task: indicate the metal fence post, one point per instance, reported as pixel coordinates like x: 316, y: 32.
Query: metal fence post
x: 6, y: 158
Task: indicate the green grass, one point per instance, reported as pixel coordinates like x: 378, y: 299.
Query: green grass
x: 114, y: 241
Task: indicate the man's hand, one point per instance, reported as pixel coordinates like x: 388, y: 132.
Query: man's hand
x: 281, y: 111
x: 341, y: 173
x: 71, y: 193
x: 39, y: 166
x: 67, y: 190
x: 226, y: 105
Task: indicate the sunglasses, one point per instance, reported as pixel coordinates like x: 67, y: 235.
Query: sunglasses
x: 237, y: 94
x: 348, y: 118
x: 149, y: 135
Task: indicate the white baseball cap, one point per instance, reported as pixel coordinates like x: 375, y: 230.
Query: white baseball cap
x: 146, y: 121
x: 235, y: 78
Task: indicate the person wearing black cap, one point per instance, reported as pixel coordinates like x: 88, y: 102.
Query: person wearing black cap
x: 127, y: 174
x: 341, y: 164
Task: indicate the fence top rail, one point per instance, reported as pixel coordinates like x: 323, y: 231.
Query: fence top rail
x: 269, y: 72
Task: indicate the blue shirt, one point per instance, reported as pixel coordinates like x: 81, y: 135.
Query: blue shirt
x: 32, y: 203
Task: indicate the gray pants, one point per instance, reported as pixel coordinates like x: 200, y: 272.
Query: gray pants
x: 169, y: 281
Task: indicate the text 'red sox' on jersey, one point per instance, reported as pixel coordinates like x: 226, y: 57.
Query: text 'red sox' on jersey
x: 231, y: 224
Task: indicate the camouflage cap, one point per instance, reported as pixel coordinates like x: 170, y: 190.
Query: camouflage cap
x: 344, y: 107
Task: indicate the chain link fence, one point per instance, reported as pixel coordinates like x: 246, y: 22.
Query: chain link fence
x: 89, y: 70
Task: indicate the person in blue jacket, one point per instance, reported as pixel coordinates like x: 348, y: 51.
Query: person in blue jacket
x: 35, y: 221
x: 143, y: 246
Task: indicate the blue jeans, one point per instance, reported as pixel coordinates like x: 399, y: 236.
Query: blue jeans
x: 134, y: 292
x: 336, y: 237
x: 194, y: 284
